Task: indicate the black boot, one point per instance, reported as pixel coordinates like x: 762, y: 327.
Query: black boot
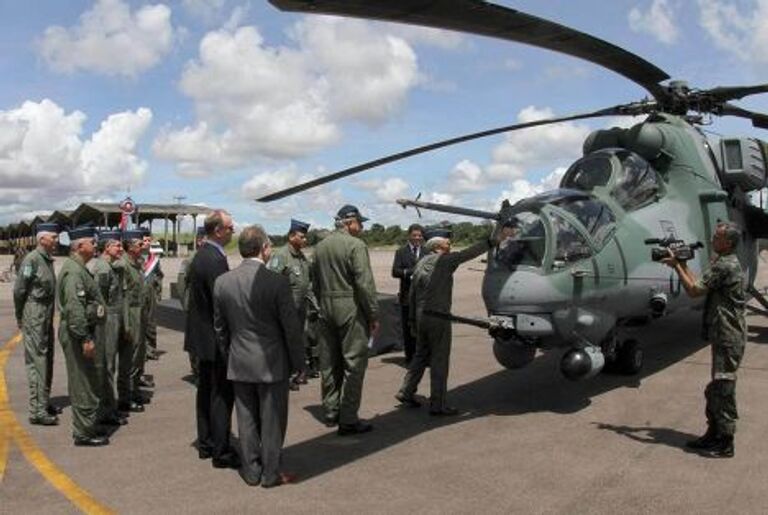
x: 313, y: 368
x: 724, y: 447
x: 707, y: 441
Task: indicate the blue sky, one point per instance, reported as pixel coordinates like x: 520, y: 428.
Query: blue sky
x: 223, y: 100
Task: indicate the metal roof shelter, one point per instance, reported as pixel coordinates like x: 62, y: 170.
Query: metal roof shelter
x: 105, y: 214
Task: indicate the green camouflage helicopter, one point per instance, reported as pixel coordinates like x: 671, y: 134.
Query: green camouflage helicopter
x: 576, y: 269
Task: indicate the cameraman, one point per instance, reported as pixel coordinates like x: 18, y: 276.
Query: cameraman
x: 726, y: 329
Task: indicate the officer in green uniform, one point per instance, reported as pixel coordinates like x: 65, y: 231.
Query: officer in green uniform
x: 725, y: 328
x: 291, y: 262
x: 129, y: 398
x: 110, y: 349
x: 82, y: 310
x: 346, y: 293
x: 34, y: 297
x: 432, y: 289
x: 153, y: 280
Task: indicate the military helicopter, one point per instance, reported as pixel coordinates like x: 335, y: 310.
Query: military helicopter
x: 575, y: 271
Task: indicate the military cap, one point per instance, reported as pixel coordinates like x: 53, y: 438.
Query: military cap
x: 48, y: 227
x: 350, y: 211
x: 438, y: 231
x: 84, y: 231
x: 110, y: 235
x: 133, y: 234
x: 298, y: 226
x: 145, y: 231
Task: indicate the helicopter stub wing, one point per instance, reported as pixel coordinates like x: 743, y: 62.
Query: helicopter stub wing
x: 496, y: 21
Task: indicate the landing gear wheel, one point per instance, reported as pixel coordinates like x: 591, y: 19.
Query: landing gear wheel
x: 629, y: 358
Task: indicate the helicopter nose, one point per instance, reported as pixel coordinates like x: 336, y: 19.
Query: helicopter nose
x: 522, y: 290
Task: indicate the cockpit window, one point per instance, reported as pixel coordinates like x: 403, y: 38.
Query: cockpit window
x: 523, y: 241
x: 588, y: 172
x: 570, y: 245
x: 594, y: 215
x: 639, y: 183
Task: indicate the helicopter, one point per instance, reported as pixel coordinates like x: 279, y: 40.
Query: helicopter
x: 577, y: 269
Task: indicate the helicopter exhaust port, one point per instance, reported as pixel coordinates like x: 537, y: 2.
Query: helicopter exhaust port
x: 577, y: 364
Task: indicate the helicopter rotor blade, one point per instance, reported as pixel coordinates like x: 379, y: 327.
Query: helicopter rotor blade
x: 726, y: 93
x: 611, y: 111
x: 759, y: 120
x: 488, y: 19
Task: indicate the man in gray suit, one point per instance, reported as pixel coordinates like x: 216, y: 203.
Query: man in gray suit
x: 257, y: 331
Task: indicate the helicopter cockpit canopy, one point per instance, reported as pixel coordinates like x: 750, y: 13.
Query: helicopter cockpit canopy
x: 630, y: 179
x: 554, y: 229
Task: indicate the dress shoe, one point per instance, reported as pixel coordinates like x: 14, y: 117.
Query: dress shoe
x: 445, y: 411
x: 301, y: 380
x: 146, y: 382
x: 132, y: 407
x: 204, y: 454
x: 408, y: 401
x: 359, y: 427
x: 250, y: 481
x: 44, y: 420
x: 91, y: 441
x: 724, y: 447
x: 293, y: 386
x: 312, y: 373
x: 154, y: 356
x: 331, y: 420
x: 53, y: 410
x: 228, y: 461
x: 283, y: 478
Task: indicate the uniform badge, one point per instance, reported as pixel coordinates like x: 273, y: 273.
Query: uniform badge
x: 100, y: 311
x: 27, y: 271
x: 81, y: 293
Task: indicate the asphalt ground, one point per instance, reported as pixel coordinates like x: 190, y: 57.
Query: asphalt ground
x: 527, y: 441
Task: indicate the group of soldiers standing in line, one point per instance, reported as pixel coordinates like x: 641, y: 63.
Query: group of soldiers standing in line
x: 107, y: 327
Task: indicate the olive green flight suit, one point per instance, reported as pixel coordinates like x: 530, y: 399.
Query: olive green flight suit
x: 296, y: 267
x: 112, y: 351
x: 153, y: 285
x: 183, y: 283
x: 34, y: 297
x: 82, y: 310
x: 432, y: 289
x: 134, y: 326
x: 725, y: 327
x: 345, y: 290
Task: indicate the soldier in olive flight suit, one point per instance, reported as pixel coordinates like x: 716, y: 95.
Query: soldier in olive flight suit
x: 129, y: 397
x: 111, y: 351
x: 346, y: 293
x: 153, y: 283
x: 725, y: 328
x: 291, y: 262
x: 432, y: 289
x: 82, y: 310
x: 34, y: 297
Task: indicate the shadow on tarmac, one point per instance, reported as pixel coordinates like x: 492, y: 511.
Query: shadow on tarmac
x: 536, y: 388
x: 651, y: 435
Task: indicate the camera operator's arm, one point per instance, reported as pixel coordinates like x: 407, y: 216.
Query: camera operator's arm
x: 693, y: 287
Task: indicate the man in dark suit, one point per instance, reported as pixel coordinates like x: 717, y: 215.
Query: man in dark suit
x: 258, y: 330
x: 215, y: 395
x: 406, y: 258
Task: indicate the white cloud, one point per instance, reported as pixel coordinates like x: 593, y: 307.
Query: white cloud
x: 740, y: 31
x: 256, y: 101
x: 386, y: 190
x: 467, y: 176
x: 417, y: 35
x: 110, y: 39
x: 45, y: 162
x: 658, y: 21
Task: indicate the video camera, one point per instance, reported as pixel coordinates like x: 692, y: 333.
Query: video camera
x: 681, y: 250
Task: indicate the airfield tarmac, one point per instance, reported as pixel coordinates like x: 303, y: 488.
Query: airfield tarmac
x: 528, y: 441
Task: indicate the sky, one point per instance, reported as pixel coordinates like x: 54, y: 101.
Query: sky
x: 222, y: 101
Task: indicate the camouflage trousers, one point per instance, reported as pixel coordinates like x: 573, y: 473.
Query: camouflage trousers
x: 720, y: 393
